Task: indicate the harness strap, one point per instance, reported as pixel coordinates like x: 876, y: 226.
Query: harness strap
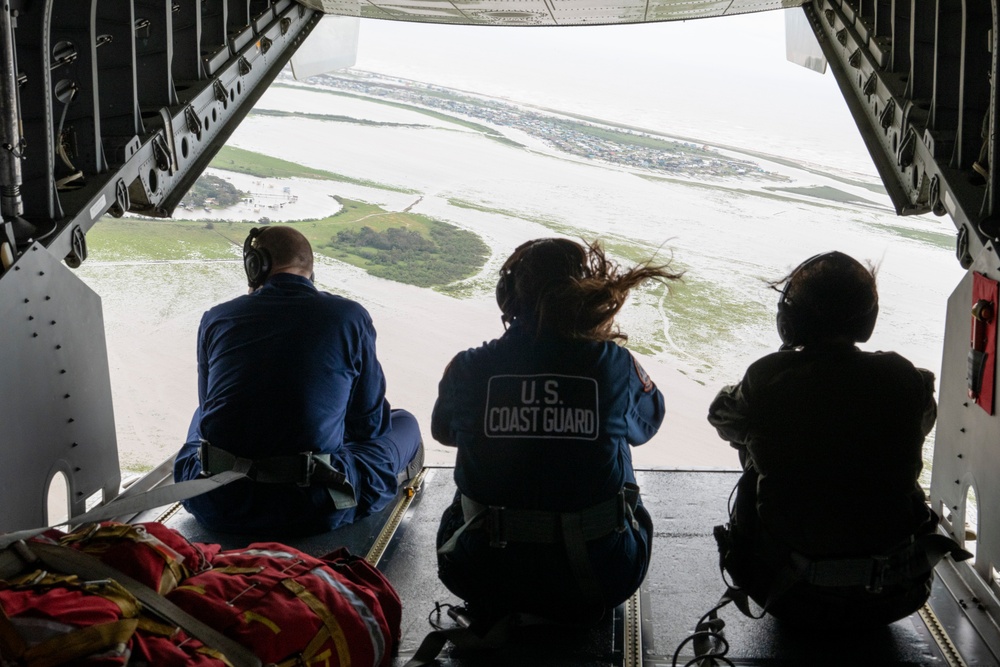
x: 571, y: 529
x: 917, y: 557
x: 140, y: 502
x: 914, y: 559
x: 71, y: 561
x: 541, y: 527
x: 302, y: 469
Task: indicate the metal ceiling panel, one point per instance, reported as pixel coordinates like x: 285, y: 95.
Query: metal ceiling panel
x: 545, y: 12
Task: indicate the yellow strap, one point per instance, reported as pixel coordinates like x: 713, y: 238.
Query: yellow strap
x: 99, y: 540
x: 80, y: 643
x: 329, y: 622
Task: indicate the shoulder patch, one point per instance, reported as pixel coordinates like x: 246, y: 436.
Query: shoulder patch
x: 647, y: 382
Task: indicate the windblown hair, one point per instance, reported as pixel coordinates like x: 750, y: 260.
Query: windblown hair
x: 566, y: 289
x: 287, y: 246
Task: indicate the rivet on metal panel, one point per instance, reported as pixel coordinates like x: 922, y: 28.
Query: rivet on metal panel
x: 65, y: 395
x: 958, y: 481
x: 62, y: 371
x: 962, y: 430
x: 58, y: 347
x: 960, y: 456
x: 70, y: 420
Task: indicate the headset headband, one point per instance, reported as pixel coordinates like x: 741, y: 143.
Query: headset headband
x: 798, y: 324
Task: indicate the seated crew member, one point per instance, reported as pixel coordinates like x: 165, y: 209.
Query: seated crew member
x: 547, y: 519
x: 830, y: 439
x: 288, y: 378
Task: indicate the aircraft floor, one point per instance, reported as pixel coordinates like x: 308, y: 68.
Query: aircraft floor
x: 682, y: 584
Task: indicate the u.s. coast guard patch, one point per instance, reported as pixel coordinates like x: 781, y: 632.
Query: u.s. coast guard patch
x: 541, y: 406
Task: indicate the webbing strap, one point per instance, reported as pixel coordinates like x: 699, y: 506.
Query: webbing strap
x: 579, y: 560
x: 140, y: 502
x: 301, y: 469
x: 79, y: 643
x: 543, y: 527
x: 64, y: 559
x: 911, y: 561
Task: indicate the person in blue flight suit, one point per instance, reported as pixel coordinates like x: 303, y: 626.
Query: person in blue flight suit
x: 830, y: 526
x: 547, y: 519
x: 288, y: 379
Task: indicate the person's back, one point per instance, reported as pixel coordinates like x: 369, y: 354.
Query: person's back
x: 548, y: 519
x: 830, y: 525
x: 837, y: 441
x: 289, y: 383
x: 288, y: 378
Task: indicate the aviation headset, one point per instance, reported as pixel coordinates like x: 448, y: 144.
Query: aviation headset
x: 799, y: 324
x: 506, y: 293
x: 256, y: 260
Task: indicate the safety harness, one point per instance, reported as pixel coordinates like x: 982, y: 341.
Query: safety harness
x: 505, y: 525
x: 915, y: 558
x: 571, y: 529
x: 302, y: 469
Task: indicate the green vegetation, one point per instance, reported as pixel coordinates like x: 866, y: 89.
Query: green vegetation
x: 405, y: 247
x: 124, y: 239
x: 938, y: 239
x: 826, y: 192
x: 487, y: 132
x: 332, y: 118
x: 212, y: 191
x: 243, y: 161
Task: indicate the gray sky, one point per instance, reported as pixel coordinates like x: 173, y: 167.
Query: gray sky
x: 723, y: 79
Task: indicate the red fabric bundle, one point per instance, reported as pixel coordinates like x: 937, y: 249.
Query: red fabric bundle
x: 287, y: 606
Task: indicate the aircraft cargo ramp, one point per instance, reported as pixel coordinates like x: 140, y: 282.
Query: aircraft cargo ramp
x: 683, y: 584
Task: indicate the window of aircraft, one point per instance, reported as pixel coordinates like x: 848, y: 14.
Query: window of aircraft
x: 416, y: 172
x: 971, y: 521
x: 57, y: 508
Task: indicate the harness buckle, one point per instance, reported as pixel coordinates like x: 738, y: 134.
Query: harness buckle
x: 203, y: 458
x: 495, y: 527
x: 308, y: 464
x: 877, y: 577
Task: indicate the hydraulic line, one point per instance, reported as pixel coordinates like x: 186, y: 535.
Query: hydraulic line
x: 11, y: 140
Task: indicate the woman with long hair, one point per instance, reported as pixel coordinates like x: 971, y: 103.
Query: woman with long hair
x: 548, y: 519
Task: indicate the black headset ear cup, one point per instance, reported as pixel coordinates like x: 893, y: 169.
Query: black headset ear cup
x: 866, y: 325
x: 797, y: 327
x: 786, y: 327
x: 505, y: 293
x: 256, y: 261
